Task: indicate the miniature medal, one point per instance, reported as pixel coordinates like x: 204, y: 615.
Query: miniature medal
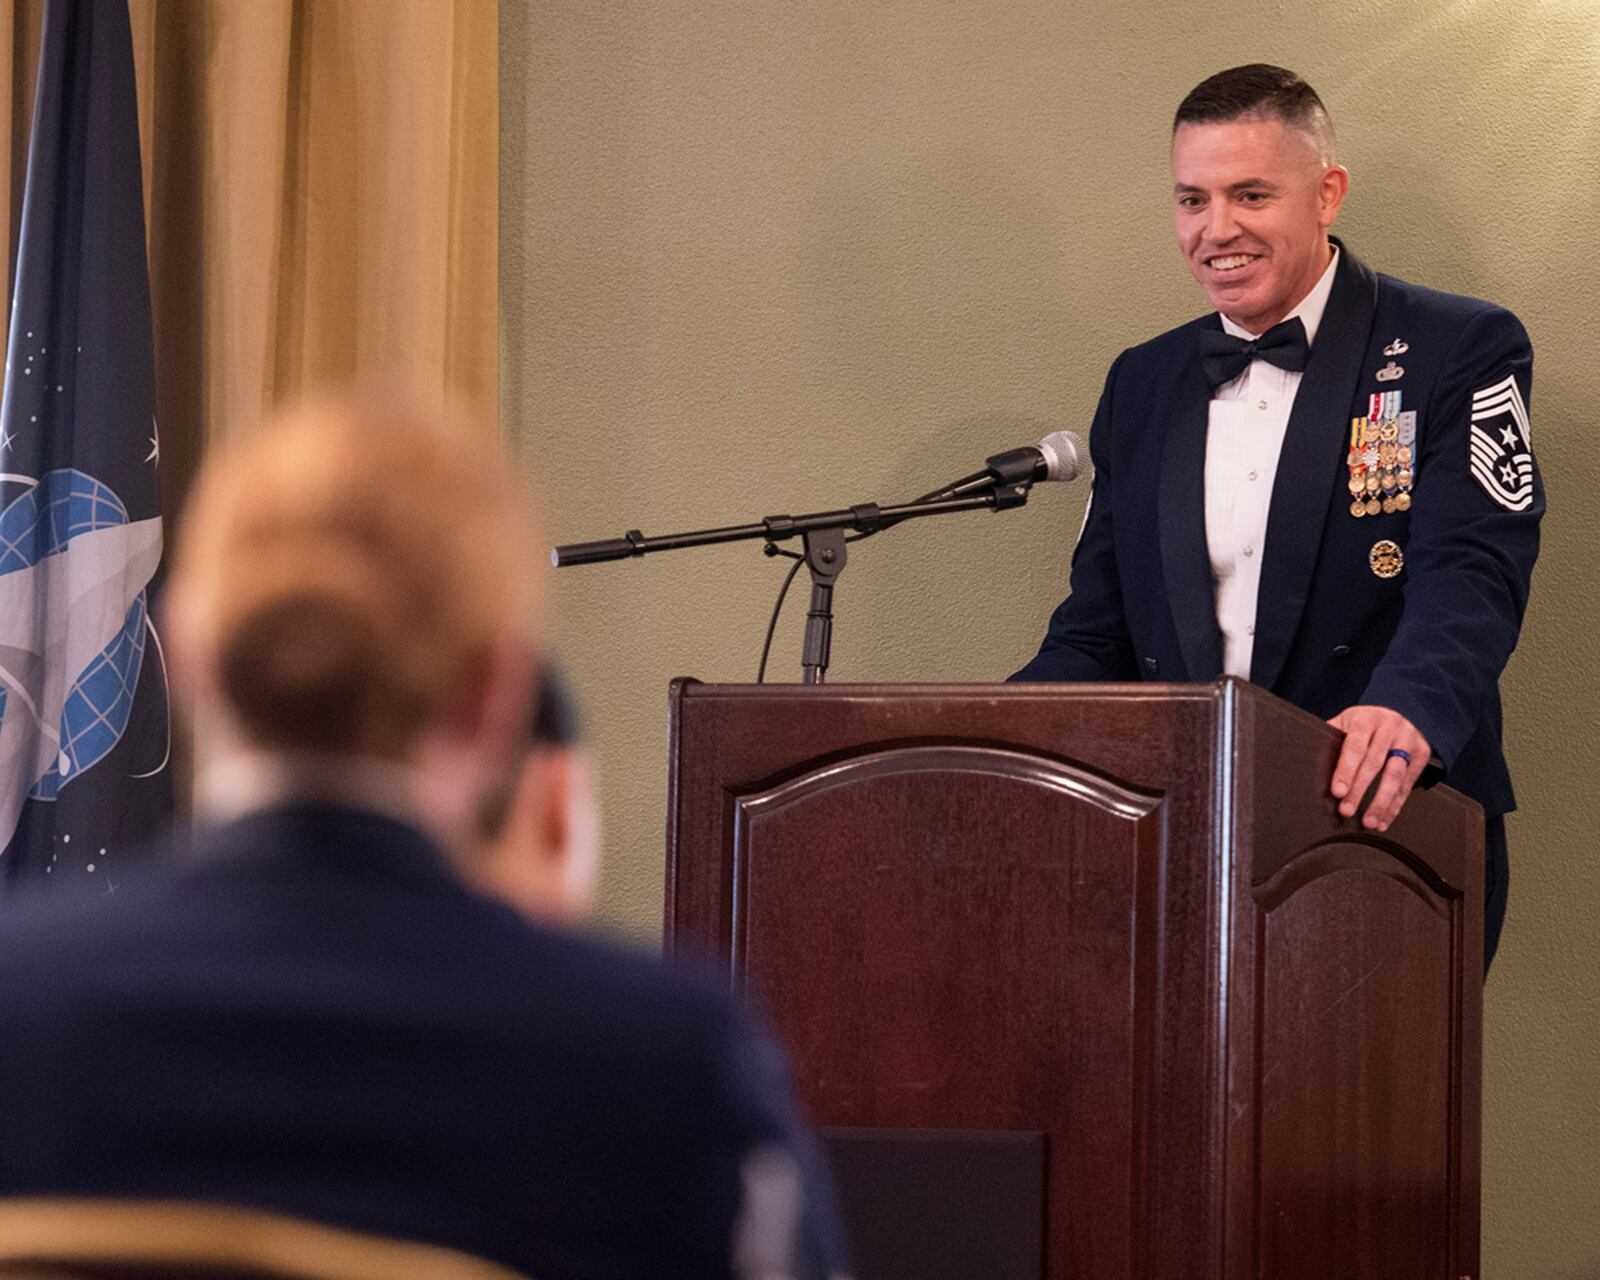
x: 1356, y: 461
x: 1405, y: 454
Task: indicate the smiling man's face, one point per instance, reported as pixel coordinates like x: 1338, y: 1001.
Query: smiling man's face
x: 1254, y: 201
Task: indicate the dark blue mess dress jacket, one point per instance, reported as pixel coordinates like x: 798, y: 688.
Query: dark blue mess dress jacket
x: 315, y: 1016
x: 1332, y: 631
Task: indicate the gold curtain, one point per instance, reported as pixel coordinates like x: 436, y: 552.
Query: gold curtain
x: 321, y: 181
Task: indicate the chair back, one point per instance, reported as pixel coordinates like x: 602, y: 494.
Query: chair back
x: 85, y: 1239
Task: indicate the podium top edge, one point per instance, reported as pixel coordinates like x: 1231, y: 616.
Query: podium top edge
x: 688, y: 686
x: 1229, y: 694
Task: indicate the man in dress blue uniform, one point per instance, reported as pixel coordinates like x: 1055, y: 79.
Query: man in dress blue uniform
x: 1327, y: 487
x: 327, y: 1015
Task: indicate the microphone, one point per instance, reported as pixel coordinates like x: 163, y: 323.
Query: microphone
x: 1059, y: 456
x: 1002, y: 484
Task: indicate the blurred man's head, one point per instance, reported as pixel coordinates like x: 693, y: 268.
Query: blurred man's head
x: 541, y: 830
x: 355, y: 580
x: 1256, y: 186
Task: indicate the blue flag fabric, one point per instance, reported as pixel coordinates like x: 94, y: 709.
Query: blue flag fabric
x: 84, y: 731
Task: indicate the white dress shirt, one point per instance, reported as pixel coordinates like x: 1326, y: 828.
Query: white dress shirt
x: 1244, y: 437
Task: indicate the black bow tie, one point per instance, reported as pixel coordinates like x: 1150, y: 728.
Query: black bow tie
x: 1226, y: 357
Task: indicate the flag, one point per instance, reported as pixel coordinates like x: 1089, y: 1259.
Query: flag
x: 84, y: 731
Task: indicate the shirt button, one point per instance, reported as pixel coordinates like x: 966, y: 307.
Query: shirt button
x: 1251, y: 476
x: 1250, y: 630
x: 1249, y: 551
x: 1261, y: 404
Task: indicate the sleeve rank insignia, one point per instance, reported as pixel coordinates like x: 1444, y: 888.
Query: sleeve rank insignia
x: 1501, y: 445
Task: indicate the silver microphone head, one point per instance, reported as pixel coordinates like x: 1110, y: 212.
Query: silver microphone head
x: 1064, y: 453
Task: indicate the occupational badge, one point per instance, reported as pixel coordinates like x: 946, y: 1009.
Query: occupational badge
x: 1390, y: 372
x: 1386, y: 558
x: 1502, y: 448
x: 1397, y: 348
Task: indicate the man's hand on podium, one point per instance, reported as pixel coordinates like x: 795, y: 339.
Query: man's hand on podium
x: 1383, y: 744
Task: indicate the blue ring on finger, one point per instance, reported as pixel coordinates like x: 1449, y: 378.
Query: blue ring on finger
x: 1398, y: 751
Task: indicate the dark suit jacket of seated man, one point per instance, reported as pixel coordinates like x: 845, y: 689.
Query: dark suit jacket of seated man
x: 1391, y: 540
x: 316, y: 1016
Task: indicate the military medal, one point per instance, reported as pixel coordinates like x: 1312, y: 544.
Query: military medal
x: 1386, y: 559
x: 1382, y: 453
x: 1357, y: 463
x: 1405, y: 454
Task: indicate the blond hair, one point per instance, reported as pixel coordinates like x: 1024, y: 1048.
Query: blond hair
x: 346, y: 572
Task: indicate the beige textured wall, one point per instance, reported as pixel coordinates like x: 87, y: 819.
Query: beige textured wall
x: 762, y: 257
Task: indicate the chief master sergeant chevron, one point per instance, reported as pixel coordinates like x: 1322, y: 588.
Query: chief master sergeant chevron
x: 1327, y: 488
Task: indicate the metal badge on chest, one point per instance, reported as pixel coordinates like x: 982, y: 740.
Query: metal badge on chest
x: 1383, y: 461
x: 1386, y: 559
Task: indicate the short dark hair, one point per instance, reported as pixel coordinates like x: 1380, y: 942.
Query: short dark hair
x: 554, y: 720
x: 1254, y: 90
x: 552, y: 726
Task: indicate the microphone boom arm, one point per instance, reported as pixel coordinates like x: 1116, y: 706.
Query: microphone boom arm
x: 822, y: 533
x: 866, y: 518
x: 1004, y: 483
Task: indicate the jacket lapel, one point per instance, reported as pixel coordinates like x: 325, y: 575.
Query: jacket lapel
x: 1311, y: 465
x: 1185, y: 560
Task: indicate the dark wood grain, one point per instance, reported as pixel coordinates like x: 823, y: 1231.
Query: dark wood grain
x: 1126, y: 917
x: 1357, y: 960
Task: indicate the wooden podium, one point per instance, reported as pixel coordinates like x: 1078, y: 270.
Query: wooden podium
x: 1093, y: 980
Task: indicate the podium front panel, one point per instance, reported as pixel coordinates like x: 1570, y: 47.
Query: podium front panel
x: 1126, y: 920
x: 975, y: 912
x: 975, y: 908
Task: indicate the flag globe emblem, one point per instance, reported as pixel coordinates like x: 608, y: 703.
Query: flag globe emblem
x: 68, y: 541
